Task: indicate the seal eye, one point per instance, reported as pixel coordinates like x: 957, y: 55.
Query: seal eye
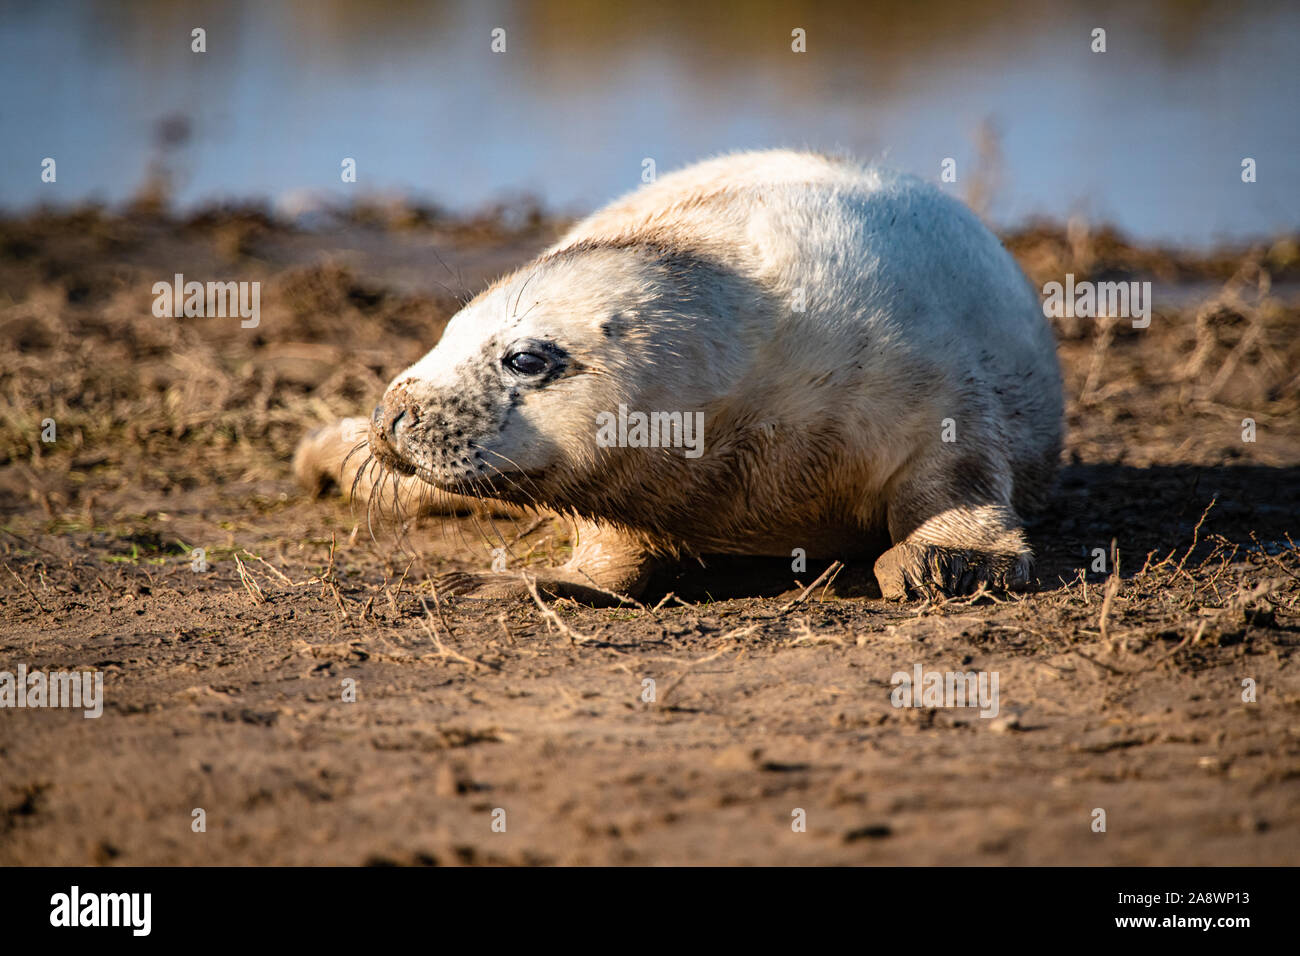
x: 526, y: 363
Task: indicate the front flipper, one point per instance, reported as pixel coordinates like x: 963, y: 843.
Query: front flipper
x: 921, y: 569
x: 954, y: 529
x: 607, y: 567
x: 513, y: 586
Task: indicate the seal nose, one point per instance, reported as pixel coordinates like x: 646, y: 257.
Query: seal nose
x: 386, y: 419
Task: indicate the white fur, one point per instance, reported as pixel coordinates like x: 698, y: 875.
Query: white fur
x: 898, y: 277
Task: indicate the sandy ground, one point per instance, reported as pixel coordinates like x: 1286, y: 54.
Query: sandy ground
x: 224, y: 688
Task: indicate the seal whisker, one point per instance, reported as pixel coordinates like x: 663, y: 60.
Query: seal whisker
x: 356, y: 479
x: 370, y: 502
x: 534, y: 500
x: 515, y: 311
x: 396, y: 515
x: 529, y: 309
x: 463, y: 296
x: 363, y: 443
x: 477, y: 484
x: 483, y: 536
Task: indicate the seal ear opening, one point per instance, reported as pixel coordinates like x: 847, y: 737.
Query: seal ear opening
x: 614, y: 326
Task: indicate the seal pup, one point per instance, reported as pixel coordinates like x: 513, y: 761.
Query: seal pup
x: 866, y: 360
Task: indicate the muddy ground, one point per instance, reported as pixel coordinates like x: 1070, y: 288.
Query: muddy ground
x: 1119, y: 691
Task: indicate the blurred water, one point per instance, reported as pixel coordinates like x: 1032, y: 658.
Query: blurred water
x: 1149, y: 135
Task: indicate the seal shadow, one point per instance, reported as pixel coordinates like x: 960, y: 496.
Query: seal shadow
x: 1144, y: 509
